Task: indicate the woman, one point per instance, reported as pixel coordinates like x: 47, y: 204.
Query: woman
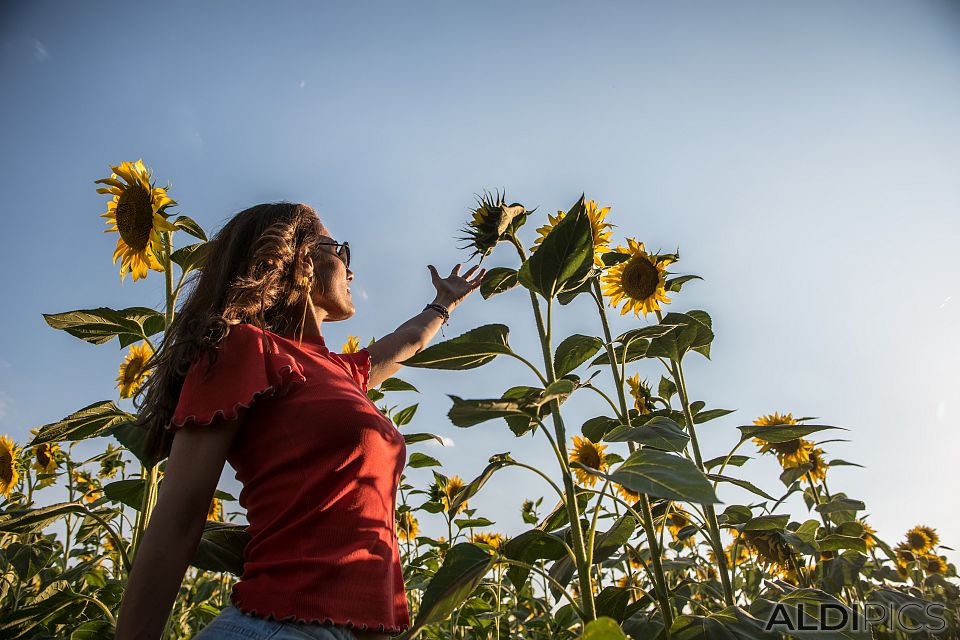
x: 244, y: 376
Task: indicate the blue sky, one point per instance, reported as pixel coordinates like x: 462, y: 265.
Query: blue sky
x: 802, y: 156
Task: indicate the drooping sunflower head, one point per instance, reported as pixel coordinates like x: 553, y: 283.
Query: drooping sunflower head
x: 640, y: 280
x: 677, y: 519
x: 137, y: 213
x: 352, y: 345
x: 791, y: 453
x: 86, y: 485
x: 407, y: 526
x: 933, y: 563
x: 931, y: 533
x: 918, y: 539
x: 215, y: 512
x: 771, y: 548
x: 9, y: 474
x: 599, y: 230
x: 590, y: 455
x: 817, y: 464
x: 490, y: 538
x: 489, y: 221
x: 133, y: 370
x: 45, y: 455
x: 641, y: 394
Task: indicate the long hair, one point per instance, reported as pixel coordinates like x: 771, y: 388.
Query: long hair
x: 252, y: 272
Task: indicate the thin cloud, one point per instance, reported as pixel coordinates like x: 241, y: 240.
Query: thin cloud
x: 39, y: 51
x: 946, y: 301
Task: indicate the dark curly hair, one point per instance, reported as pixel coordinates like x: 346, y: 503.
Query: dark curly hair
x: 253, y: 272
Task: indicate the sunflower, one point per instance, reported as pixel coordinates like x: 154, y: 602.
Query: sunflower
x: 634, y: 557
x: 931, y: 533
x: 772, y: 549
x: 633, y: 583
x: 869, y: 535
x: 449, y: 491
x: 934, y: 564
x: 918, y: 539
x: 817, y: 465
x: 133, y: 370
x: 590, y: 455
x: 407, y: 527
x: 676, y: 521
x: 9, y: 475
x: 352, y: 345
x: 491, y: 219
x: 791, y: 453
x: 641, y: 393
x: 494, y: 540
x: 137, y: 214
x: 215, y: 512
x: 85, y: 484
x: 599, y: 230
x: 627, y: 494
x: 45, y: 455
x: 641, y: 280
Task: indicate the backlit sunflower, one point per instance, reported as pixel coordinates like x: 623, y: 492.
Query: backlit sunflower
x: 133, y: 370
x: 352, y: 345
x: 817, y: 464
x: 791, y: 453
x: 85, y: 484
x: 137, y: 214
x: 491, y: 219
x: 495, y: 540
x: 9, y: 474
x: 641, y: 394
x: 918, y: 539
x: 599, y: 230
x: 869, y: 535
x: 676, y: 521
x: 934, y: 564
x: 931, y: 533
x: 771, y: 548
x: 628, y: 495
x: 641, y: 280
x: 407, y: 527
x: 45, y: 455
x: 449, y: 492
x: 590, y: 455
x: 215, y: 512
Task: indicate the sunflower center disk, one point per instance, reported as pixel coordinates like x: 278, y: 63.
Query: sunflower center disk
x: 135, y: 217
x: 640, y: 278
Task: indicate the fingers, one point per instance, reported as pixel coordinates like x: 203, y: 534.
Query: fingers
x: 456, y: 270
x: 476, y: 281
x: 471, y: 271
x: 433, y: 272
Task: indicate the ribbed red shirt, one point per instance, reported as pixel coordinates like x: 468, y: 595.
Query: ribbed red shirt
x: 319, y: 465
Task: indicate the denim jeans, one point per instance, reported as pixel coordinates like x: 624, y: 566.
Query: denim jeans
x: 233, y: 624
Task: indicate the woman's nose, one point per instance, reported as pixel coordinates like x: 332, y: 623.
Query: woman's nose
x: 349, y: 275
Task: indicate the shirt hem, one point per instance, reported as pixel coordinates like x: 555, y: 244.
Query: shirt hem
x: 292, y: 617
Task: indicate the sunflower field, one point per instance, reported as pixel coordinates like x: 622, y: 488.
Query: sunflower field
x: 632, y: 540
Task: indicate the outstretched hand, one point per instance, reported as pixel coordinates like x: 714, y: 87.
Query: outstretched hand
x: 454, y: 288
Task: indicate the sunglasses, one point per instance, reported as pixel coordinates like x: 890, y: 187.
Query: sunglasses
x: 343, y: 251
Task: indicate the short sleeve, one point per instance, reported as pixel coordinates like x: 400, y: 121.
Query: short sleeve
x: 249, y: 365
x: 358, y: 365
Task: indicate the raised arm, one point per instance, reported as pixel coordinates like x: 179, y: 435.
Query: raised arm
x: 388, y: 352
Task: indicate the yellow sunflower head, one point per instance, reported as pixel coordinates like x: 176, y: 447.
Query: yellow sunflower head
x: 450, y: 490
x: 869, y: 535
x: 676, y: 521
x: 771, y: 548
x: 352, y: 345
x: 919, y: 540
x: 45, y: 455
x: 133, y: 370
x: 641, y: 394
x: 931, y: 533
x: 494, y: 540
x: 590, y: 455
x: 490, y: 221
x: 933, y: 563
x: 137, y: 214
x: 86, y: 485
x: 215, y: 512
x: 640, y: 280
x: 600, y: 230
x: 407, y: 527
x: 791, y: 453
x: 627, y: 494
x: 9, y: 474
x: 817, y: 463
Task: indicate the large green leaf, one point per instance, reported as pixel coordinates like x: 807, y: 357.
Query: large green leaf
x: 135, y: 438
x: 743, y: 484
x: 659, y: 432
x: 396, y: 384
x: 463, y: 567
x: 467, y: 413
x: 413, y: 438
x: 603, y: 628
x: 496, y: 462
x: 128, y: 492
x: 221, y: 547
x: 693, y: 332
x: 802, y: 608
x: 528, y: 547
x: 102, y: 324
x: 781, y: 432
x: 419, y: 460
x: 93, y: 420
x: 664, y: 475
x: 732, y: 623
x: 573, y: 352
x: 470, y: 350
x: 565, y: 255
x: 186, y: 223
x: 497, y: 280
x: 191, y: 256
x: 36, y: 520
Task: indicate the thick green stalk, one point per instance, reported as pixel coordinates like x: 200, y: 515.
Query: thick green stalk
x: 660, y: 585
x: 573, y: 512
x: 710, y: 514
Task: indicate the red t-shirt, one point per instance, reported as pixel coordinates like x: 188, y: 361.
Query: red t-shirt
x: 320, y: 465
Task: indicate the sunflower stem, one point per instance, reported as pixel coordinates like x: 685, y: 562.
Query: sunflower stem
x: 660, y: 584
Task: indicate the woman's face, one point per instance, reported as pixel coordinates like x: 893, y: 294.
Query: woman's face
x: 331, y: 280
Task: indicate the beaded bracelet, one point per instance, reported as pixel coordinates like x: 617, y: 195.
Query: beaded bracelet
x: 442, y: 310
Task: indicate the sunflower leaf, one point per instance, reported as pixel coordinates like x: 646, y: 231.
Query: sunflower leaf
x: 396, y: 384
x: 780, y: 432
x: 675, y: 284
x: 693, y: 333
x: 659, y: 432
x: 191, y: 256
x: 528, y: 547
x: 92, y: 421
x: 664, y: 475
x: 467, y: 413
x: 186, y: 223
x: 418, y: 460
x: 413, y: 438
x: 497, y: 280
x: 464, y: 566
x: 573, y: 352
x: 221, y: 547
x: 467, y: 351
x: 743, y: 484
x: 100, y: 325
x: 565, y: 255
